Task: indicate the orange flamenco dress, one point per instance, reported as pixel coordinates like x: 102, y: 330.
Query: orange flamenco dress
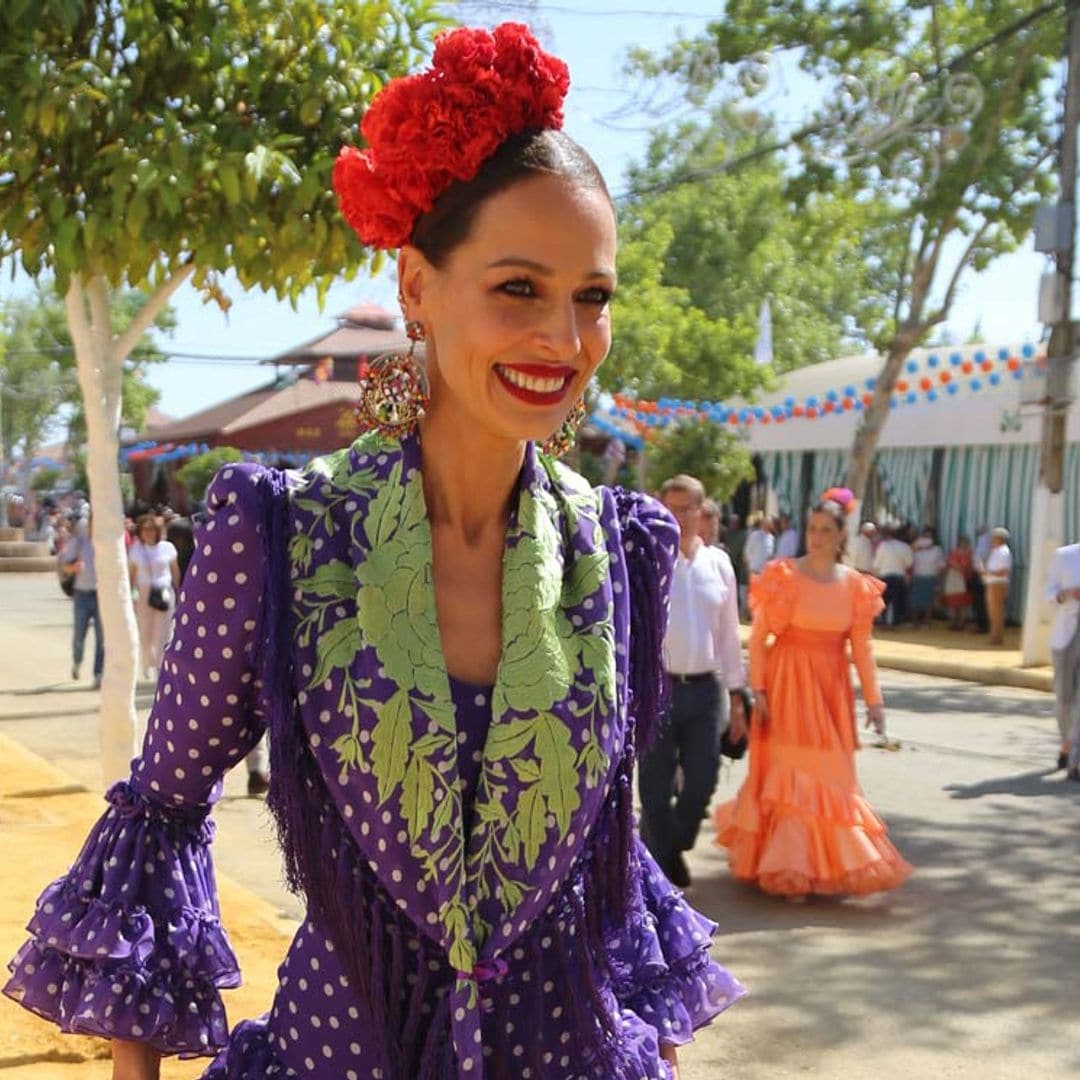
x: 800, y: 823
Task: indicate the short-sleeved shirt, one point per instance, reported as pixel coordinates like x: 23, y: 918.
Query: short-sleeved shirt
x: 152, y: 564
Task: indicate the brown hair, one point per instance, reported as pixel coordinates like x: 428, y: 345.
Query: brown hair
x: 149, y: 519
x: 690, y: 485
x: 546, y: 152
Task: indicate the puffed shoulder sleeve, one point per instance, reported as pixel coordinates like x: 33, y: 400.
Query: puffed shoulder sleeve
x: 129, y: 944
x: 868, y: 603
x: 772, y: 594
x: 650, y: 543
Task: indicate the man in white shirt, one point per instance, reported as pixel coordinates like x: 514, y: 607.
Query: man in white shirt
x: 997, y: 569
x: 892, y: 563
x: 862, y: 548
x: 787, y: 538
x: 1063, y: 589
x: 701, y: 652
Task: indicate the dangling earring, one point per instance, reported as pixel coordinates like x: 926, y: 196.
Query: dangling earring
x: 562, y: 441
x: 394, y: 390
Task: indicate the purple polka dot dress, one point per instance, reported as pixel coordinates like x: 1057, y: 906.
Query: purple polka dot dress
x: 479, y: 904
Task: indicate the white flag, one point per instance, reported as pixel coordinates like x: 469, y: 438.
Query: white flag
x: 763, y: 348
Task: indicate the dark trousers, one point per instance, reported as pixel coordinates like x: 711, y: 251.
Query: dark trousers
x: 978, y: 602
x: 895, y: 599
x: 86, y: 612
x: 670, y: 819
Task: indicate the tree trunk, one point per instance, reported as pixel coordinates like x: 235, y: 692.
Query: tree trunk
x: 99, y: 370
x: 868, y: 435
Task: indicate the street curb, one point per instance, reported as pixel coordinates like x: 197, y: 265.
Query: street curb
x: 1021, y: 678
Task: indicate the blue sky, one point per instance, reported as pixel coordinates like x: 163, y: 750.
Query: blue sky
x: 593, y: 37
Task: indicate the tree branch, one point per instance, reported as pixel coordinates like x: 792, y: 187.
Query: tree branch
x: 149, y: 311
x: 942, y: 312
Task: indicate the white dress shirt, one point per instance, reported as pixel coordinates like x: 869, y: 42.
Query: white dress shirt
x: 893, y: 558
x: 759, y: 549
x: 1064, y: 574
x: 787, y: 546
x: 862, y: 553
x: 998, y: 566
x: 928, y: 560
x: 703, y: 629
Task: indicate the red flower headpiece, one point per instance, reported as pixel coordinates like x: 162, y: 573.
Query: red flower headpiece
x: 425, y: 131
x: 843, y: 497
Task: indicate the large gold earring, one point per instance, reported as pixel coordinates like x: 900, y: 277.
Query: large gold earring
x: 394, y: 391
x: 562, y: 441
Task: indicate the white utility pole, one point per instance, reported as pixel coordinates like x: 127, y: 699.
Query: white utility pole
x: 1048, y: 503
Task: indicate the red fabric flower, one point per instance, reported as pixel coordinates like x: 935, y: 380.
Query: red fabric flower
x: 425, y: 131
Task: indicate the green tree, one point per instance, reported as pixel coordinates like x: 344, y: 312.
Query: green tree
x: 197, y: 472
x: 147, y: 143
x: 37, y: 368
x: 701, y: 248
x: 938, y: 118
x: 715, y: 456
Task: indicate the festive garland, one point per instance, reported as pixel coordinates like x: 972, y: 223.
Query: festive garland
x: 940, y: 379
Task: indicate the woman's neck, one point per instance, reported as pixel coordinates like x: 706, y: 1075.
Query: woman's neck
x: 820, y: 566
x: 469, y: 476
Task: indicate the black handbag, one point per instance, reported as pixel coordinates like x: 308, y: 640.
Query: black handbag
x: 158, y: 597
x: 736, y: 748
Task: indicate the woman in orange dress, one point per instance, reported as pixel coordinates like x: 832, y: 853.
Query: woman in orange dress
x: 800, y: 823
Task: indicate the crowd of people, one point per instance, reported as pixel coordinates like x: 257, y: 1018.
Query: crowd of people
x: 967, y: 586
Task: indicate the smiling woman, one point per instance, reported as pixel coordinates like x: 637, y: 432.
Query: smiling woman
x: 454, y: 643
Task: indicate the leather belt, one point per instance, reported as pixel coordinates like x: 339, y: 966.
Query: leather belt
x: 699, y: 677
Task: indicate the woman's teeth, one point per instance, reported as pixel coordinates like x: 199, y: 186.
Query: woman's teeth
x: 532, y: 382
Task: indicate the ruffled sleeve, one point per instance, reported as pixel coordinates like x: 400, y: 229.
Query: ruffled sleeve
x: 772, y: 600
x: 128, y: 944
x: 650, y: 543
x: 867, y: 603
x: 662, y: 972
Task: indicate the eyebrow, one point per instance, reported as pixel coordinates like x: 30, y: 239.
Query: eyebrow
x: 540, y: 268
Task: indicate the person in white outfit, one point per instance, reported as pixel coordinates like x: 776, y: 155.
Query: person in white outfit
x: 704, y: 662
x: 863, y: 547
x: 155, y: 577
x: 1063, y: 589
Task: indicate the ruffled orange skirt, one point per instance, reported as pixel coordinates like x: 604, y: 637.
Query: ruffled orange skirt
x: 800, y: 823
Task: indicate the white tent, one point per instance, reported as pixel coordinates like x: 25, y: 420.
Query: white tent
x: 961, y: 457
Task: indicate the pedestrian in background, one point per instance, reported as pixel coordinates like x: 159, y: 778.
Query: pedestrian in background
x: 927, y: 563
x: 77, y: 561
x: 997, y: 570
x: 787, y: 538
x: 800, y: 823
x: 155, y: 576
x: 958, y: 570
x: 709, y: 527
x: 893, y: 560
x: 1063, y: 589
x: 760, y: 546
x: 863, y: 548
x: 703, y: 659
x: 735, y: 543
x: 975, y: 581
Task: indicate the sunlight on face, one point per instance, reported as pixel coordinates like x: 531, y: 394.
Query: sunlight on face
x: 518, y: 319
x: 822, y: 533
x: 686, y: 509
